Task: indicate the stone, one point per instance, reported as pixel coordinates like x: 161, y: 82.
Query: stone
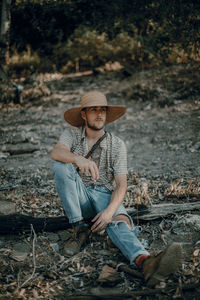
x: 64, y: 235
x: 52, y: 237
x: 21, y: 148
x: 55, y: 246
x: 7, y: 207
x: 193, y: 221
x: 20, y: 251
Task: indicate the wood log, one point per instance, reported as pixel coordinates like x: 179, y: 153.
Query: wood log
x: 113, y: 294
x: 163, y: 210
x: 17, y: 223
x: 108, y: 294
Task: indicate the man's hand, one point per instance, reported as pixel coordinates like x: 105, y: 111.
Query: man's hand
x: 87, y: 166
x: 101, y: 220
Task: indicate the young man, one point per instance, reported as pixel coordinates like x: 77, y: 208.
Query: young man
x: 94, y: 186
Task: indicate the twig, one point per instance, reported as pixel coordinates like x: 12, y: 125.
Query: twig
x: 116, y: 296
x: 34, y: 260
x: 126, y: 269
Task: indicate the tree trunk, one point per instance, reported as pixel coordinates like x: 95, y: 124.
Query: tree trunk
x: 8, y: 91
x: 4, y: 37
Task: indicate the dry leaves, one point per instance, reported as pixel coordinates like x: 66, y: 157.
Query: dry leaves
x: 109, y: 276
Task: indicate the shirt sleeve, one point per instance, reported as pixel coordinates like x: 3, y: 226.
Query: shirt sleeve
x: 120, y: 159
x: 66, y: 138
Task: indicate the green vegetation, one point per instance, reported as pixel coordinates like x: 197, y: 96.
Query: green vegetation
x: 73, y: 35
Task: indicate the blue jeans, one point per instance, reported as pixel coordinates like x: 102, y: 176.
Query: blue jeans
x: 80, y: 202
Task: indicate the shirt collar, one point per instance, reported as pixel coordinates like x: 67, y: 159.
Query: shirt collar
x: 83, y: 136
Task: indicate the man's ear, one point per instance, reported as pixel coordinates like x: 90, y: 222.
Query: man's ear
x: 83, y: 116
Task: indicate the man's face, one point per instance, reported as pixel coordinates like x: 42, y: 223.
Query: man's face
x: 95, y: 117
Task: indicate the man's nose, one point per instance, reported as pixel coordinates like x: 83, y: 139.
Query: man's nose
x: 99, y: 112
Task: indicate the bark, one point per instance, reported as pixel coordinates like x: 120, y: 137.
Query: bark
x: 9, y: 93
x: 4, y: 36
x: 163, y: 210
x: 16, y: 223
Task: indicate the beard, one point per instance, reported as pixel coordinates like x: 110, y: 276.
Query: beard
x: 94, y: 127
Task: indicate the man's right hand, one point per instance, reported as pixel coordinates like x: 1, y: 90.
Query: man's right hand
x: 87, y: 166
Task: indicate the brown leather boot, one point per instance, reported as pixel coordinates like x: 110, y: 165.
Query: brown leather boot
x: 79, y: 237
x: 157, y: 268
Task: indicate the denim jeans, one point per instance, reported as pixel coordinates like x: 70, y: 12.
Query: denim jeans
x: 80, y: 202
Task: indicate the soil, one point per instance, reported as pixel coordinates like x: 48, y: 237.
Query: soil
x: 161, y: 130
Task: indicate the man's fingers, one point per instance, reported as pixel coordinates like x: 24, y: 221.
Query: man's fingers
x: 90, y: 168
x: 96, y: 217
x: 96, y: 221
x: 98, y: 226
x: 94, y: 172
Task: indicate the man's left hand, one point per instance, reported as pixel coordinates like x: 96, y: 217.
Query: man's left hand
x: 101, y: 220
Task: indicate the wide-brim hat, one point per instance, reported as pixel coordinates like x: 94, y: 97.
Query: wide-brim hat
x: 93, y: 98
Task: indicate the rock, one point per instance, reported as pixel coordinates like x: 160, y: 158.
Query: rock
x: 20, y: 251
x: 20, y: 148
x: 52, y: 237
x: 17, y: 138
x: 35, y: 92
x: 7, y: 207
x: 109, y: 276
x: 55, y: 246
x: 193, y: 221
x: 64, y: 235
x: 196, y: 147
x: 4, y: 155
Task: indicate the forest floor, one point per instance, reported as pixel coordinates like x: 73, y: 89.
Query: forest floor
x: 161, y: 130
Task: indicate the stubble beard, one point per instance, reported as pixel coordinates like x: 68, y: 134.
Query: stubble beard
x: 93, y: 127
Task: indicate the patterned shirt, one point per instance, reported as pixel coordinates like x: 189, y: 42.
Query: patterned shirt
x: 110, y: 156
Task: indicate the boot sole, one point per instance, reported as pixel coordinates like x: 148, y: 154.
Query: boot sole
x: 169, y: 264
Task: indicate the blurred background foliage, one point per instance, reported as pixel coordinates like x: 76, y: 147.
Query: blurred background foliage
x: 78, y: 35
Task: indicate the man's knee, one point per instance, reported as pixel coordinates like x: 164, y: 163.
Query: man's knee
x: 61, y: 168
x: 123, y: 218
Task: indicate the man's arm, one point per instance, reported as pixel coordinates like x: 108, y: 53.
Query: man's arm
x: 62, y: 153
x: 102, y: 219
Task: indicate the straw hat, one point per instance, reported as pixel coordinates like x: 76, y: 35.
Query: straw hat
x: 93, y: 98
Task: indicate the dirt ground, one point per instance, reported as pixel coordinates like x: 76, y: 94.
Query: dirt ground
x: 161, y: 130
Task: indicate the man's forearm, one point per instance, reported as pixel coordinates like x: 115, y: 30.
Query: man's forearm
x: 87, y: 166
x: 63, y: 155
x: 117, y: 198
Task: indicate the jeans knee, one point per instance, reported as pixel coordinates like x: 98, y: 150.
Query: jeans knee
x: 123, y: 218
x: 61, y: 169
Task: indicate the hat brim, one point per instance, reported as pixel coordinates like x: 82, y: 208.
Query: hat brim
x: 73, y: 115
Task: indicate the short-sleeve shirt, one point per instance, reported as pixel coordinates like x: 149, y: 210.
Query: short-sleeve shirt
x: 110, y: 156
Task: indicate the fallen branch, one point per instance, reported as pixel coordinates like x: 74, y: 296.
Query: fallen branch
x: 107, y: 294
x: 163, y: 210
x: 183, y: 196
x: 17, y: 223
x: 115, y: 295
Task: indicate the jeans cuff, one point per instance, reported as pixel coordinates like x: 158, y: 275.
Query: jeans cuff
x: 140, y: 252
x: 74, y: 220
